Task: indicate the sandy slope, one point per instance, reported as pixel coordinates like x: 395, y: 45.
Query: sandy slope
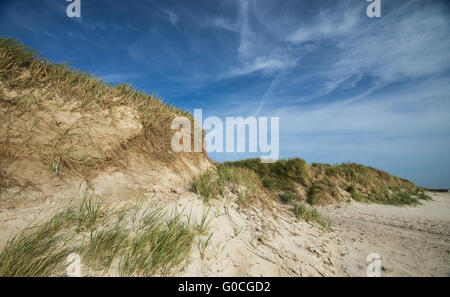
x: 244, y: 241
x: 251, y: 242
x: 412, y: 241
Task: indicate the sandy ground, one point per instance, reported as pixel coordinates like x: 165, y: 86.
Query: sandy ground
x: 251, y: 242
x: 412, y: 241
x: 244, y: 241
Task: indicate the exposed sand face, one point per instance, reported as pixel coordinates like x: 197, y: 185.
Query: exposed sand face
x: 137, y: 177
x: 412, y: 241
x: 251, y: 242
x: 244, y: 241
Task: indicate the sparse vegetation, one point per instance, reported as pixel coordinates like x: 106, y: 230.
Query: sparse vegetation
x: 357, y: 196
x: 41, y: 250
x: 279, y: 175
x: 408, y: 198
x: 241, y: 182
x: 309, y: 214
x: 203, y: 245
x: 59, y: 111
x: 296, y: 183
x: 324, y: 184
x: 282, y: 177
x: 159, y: 245
x: 323, y: 191
x: 207, y: 185
x: 136, y: 241
x: 73, y: 124
x: 372, y: 185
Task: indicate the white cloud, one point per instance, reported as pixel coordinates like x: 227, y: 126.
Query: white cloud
x: 265, y: 64
x: 328, y: 24
x: 223, y: 23
x: 404, y: 112
x: 170, y: 16
x: 256, y: 52
x: 405, y: 43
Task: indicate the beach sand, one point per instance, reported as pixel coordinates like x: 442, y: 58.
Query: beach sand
x: 412, y: 241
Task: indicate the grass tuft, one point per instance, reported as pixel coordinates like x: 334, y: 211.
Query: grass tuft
x: 39, y: 251
x: 135, y: 241
x: 308, y: 214
x: 241, y: 182
x: 157, y: 246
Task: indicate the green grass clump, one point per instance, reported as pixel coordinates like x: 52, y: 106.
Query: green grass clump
x: 356, y: 195
x: 242, y: 182
x: 157, y: 247
x: 404, y: 198
x: 322, y: 191
x: 423, y: 196
x: 207, y: 185
x: 308, y: 214
x: 38, y: 251
x: 408, y: 198
x: 104, y: 246
x: 89, y: 213
x: 281, y: 177
x: 135, y: 241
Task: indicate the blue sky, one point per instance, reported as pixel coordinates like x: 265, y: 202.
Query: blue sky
x: 346, y: 87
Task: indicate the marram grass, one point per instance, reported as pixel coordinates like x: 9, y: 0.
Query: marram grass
x: 320, y: 184
x: 130, y: 241
x: 31, y: 87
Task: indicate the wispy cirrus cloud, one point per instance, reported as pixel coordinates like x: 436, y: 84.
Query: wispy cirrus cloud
x: 170, y: 16
x: 256, y: 52
x: 340, y: 47
x: 328, y: 24
x: 263, y: 64
x: 346, y: 87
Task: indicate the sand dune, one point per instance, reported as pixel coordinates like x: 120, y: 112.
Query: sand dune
x: 67, y: 138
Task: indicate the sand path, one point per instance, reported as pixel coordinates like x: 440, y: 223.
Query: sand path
x: 412, y: 241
